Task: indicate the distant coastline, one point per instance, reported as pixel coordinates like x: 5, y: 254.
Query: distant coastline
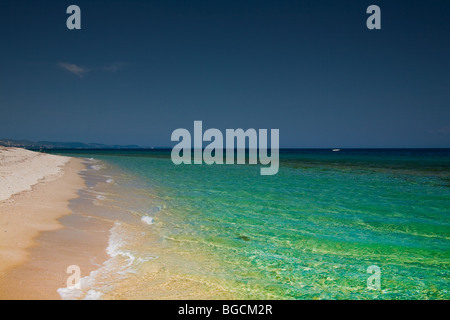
x: 37, y: 145
x: 58, y: 145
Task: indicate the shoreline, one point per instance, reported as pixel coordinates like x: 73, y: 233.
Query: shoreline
x: 39, y: 237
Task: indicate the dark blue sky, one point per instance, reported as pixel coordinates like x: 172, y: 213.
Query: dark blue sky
x: 140, y: 69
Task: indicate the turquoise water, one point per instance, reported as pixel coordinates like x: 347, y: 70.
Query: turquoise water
x: 309, y: 232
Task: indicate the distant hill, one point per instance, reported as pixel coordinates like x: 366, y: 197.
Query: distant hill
x: 62, y: 145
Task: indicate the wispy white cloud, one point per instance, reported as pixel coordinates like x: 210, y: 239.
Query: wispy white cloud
x: 73, y: 68
x: 116, y: 66
x: 444, y: 130
x: 81, y: 71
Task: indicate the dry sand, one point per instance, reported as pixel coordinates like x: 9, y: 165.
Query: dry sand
x: 21, y: 169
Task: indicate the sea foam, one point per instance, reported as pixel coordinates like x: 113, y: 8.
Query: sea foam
x: 147, y: 220
x: 119, y: 263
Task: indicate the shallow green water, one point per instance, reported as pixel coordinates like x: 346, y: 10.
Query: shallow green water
x: 309, y: 232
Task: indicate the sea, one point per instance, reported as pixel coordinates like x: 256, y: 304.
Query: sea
x: 342, y: 224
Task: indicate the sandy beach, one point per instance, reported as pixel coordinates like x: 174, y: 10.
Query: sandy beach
x: 41, y: 235
x: 35, y: 247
